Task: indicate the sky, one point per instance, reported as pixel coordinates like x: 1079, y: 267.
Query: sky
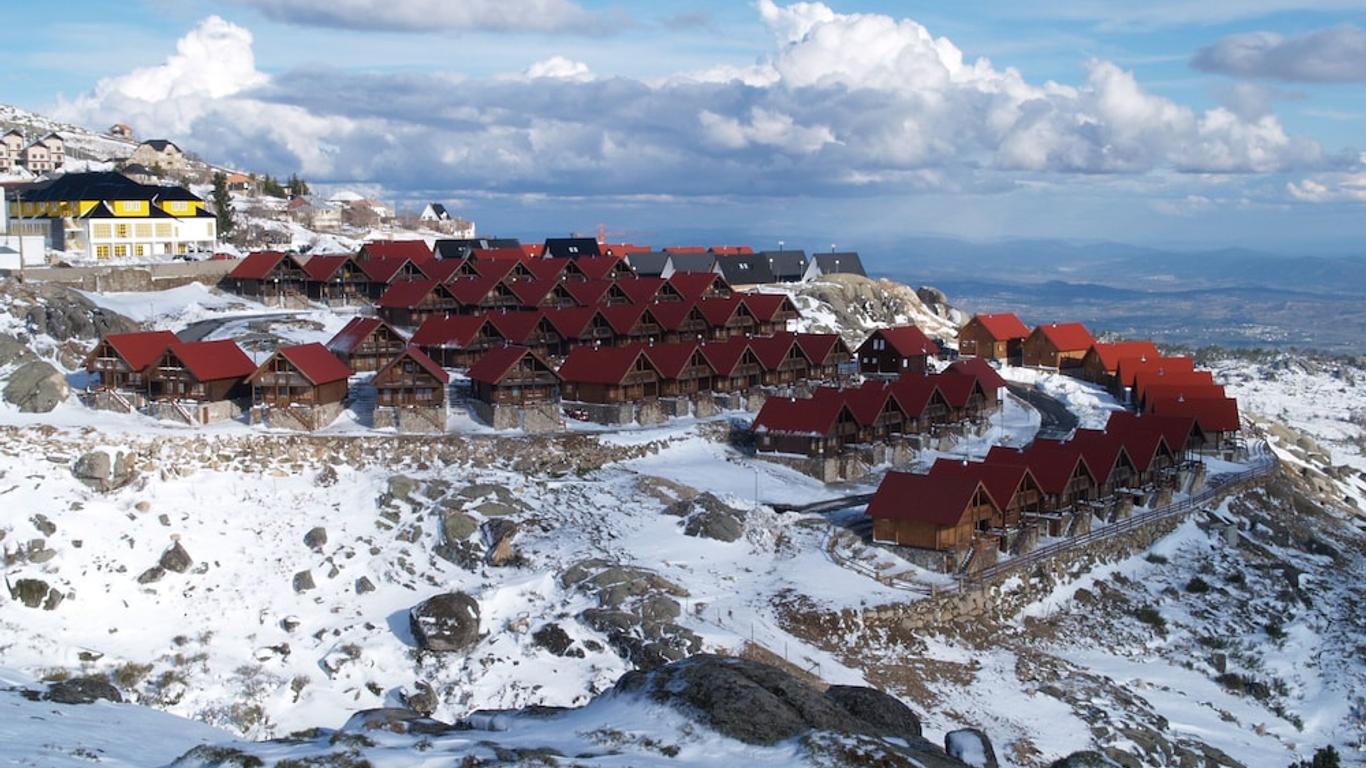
x: 1169, y: 123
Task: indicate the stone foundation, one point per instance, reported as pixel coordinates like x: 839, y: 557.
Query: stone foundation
x: 704, y: 405
x: 304, y: 418
x: 194, y: 414
x: 651, y: 412
x: 120, y: 402
x: 674, y: 407
x: 728, y: 401
x: 826, y: 470
x: 531, y: 418
x: 411, y: 420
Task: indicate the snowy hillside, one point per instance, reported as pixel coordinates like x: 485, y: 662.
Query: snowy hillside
x: 260, y: 583
x: 81, y: 143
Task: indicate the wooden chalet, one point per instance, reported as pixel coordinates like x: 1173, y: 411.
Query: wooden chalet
x: 831, y: 359
x: 993, y: 337
x: 301, y: 375
x: 1057, y: 345
x: 683, y: 369
x: 965, y: 395
x: 813, y: 427
x: 514, y: 375
x: 202, y: 371
x: 580, y: 327
x: 456, y: 341
x: 695, y: 286
x: 609, y: 375
x: 781, y: 359
x: 268, y: 276
x: 992, y: 382
x: 1182, y: 434
x: 1101, y: 363
x: 337, y: 280
x: 727, y: 318
x: 1013, y: 487
x: 737, y: 368
x: 416, y: 251
x: 647, y: 290
x: 528, y: 329
x: 482, y: 294
x: 1129, y: 368
x: 923, y: 402
x: 772, y: 312
x: 410, y: 302
x: 123, y: 361
x: 597, y: 268
x: 367, y: 343
x: 680, y: 321
x: 876, y: 409
x: 938, y: 513
x: 905, y: 349
x: 411, y: 380
x: 1146, y: 381
x: 1217, y: 420
x: 1108, y: 458
x: 1145, y: 443
x: 384, y: 272
x: 1063, y: 474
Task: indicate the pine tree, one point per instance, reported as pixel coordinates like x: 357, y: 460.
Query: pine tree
x: 222, y: 204
x: 297, y: 186
x: 271, y: 186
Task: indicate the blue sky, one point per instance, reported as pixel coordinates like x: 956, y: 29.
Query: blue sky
x: 1170, y: 123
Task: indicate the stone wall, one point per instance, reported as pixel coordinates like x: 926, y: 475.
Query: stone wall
x: 428, y: 421
x: 306, y: 418
x: 152, y: 277
x: 536, y: 418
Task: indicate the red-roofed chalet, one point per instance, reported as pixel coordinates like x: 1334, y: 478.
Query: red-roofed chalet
x: 938, y: 513
x: 512, y: 375
x: 302, y: 375
x: 202, y: 371
x: 905, y: 349
x: 123, y: 360
x: 1057, y: 345
x: 1101, y: 362
x: 609, y: 375
x: 993, y: 336
x: 816, y: 427
x: 367, y: 343
x: 411, y: 380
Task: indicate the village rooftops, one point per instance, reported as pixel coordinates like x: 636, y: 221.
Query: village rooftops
x: 687, y: 262
x: 494, y: 365
x: 838, y: 263
x: 602, y: 365
x: 324, y: 268
x: 1212, y: 415
x: 99, y: 185
x: 140, y: 349
x: 571, y: 247
x: 1053, y: 464
x: 314, y: 363
x: 990, y: 379
x: 1102, y: 450
x: 811, y: 417
x: 213, y: 360
x: 1001, y: 480
x: 1127, y: 370
x: 413, y: 250
x: 940, y: 501
x: 906, y: 340
x: 419, y: 357
x: 356, y: 331
x: 1110, y: 354
x: 257, y: 265
x: 1144, y: 380
x: 786, y: 266
x: 1067, y: 336
x: 455, y: 330
x: 1175, y: 429
x: 744, y: 269
x: 673, y: 358
x: 1003, y: 326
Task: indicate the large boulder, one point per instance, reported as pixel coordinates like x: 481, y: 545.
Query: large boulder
x: 758, y: 704
x: 176, y: 559
x: 83, y: 690
x: 882, y: 711
x: 105, y: 469
x: 499, y: 534
x: 36, y: 387
x: 14, y: 351
x: 447, y: 623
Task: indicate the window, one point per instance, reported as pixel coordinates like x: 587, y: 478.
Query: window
x: 103, y: 231
x: 121, y: 230
x: 121, y: 251
x: 139, y: 250
x: 101, y: 251
x: 164, y: 229
x: 143, y: 230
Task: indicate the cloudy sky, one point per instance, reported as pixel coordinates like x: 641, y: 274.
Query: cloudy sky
x: 1216, y: 123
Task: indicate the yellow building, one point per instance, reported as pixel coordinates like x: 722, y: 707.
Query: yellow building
x: 106, y: 215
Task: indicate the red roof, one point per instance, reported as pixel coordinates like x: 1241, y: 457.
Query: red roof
x: 765, y: 306
x: 1111, y: 354
x: 670, y: 359
x: 141, y: 348
x: 357, y: 330
x: 987, y: 376
x: 407, y: 294
x: 957, y: 387
x: 472, y: 290
x: 641, y: 290
x: 686, y: 249
x: 718, y: 311
x: 672, y: 314
x: 418, y: 356
x: 906, y: 340
x: 1211, y: 415
x: 587, y: 293
x: 456, y: 330
x: 1102, y: 451
x: 939, y: 501
x: 1161, y: 377
x: 416, y: 251
x: 257, y: 265
x: 323, y: 268
x: 1129, y: 367
x: 915, y: 393
x: 441, y: 270
x: 818, y: 346
x: 621, y: 249
x: 214, y: 360
x: 1175, y: 430
x: 532, y: 292
x: 514, y: 327
x: 314, y: 363
x: 1003, y: 326
x: 622, y: 317
x: 1002, y: 481
x: 547, y: 269
x: 772, y: 350
x: 602, y: 365
x: 571, y: 322
x: 1066, y: 337
x: 382, y: 270
x: 815, y: 417
x: 731, y: 250
x: 1143, y: 444
x: 534, y: 250
x: 1052, y: 464
x: 867, y: 402
x: 495, y: 269
x: 597, y: 267
x: 515, y: 254
x: 725, y: 355
x: 693, y: 285
x: 494, y: 365
x: 1186, y: 391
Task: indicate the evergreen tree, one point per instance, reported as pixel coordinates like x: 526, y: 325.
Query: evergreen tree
x: 271, y: 186
x: 222, y: 204
x: 297, y: 186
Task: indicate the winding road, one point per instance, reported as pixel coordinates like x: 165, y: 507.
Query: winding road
x: 1055, y: 421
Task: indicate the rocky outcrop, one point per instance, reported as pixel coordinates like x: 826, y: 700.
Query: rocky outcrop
x: 82, y: 690
x: 447, y: 623
x: 176, y: 559
x: 105, y: 469
x: 971, y: 746
x: 36, y: 387
x: 860, y: 304
x: 35, y: 593
x: 638, y: 612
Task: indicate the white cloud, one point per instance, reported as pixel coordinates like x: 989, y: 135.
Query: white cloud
x: 1336, y: 54
x: 429, y: 15
x: 767, y: 128
x: 1330, y: 188
x: 559, y: 68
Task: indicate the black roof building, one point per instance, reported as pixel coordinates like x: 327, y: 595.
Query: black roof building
x: 653, y: 264
x: 693, y: 262
x: 746, y: 269
x: 101, y: 185
x: 787, y: 266
x: 840, y: 263
x: 160, y: 145
x: 571, y: 248
x: 462, y: 247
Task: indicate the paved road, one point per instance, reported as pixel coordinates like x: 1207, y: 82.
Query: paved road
x: 1054, y: 418
x: 197, y: 331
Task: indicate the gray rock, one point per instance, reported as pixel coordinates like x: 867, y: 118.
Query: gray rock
x: 152, y: 575
x: 498, y: 538
x: 659, y: 608
x: 465, y: 554
x: 14, y: 351
x: 176, y: 559
x: 36, y: 387
x: 316, y: 538
x: 105, y: 472
x: 932, y: 297
x: 303, y: 581
x: 1086, y: 759
x: 722, y: 526
x: 394, y: 720
x: 971, y: 746
x: 457, y: 526
x: 554, y: 639
x: 883, y: 712
x: 327, y: 477
x: 496, y: 509
x: 402, y: 487
x: 447, y: 623
x: 44, y: 525
x: 214, y: 756
x: 422, y: 700
x: 30, y: 592
x: 83, y: 690
x: 364, y: 585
